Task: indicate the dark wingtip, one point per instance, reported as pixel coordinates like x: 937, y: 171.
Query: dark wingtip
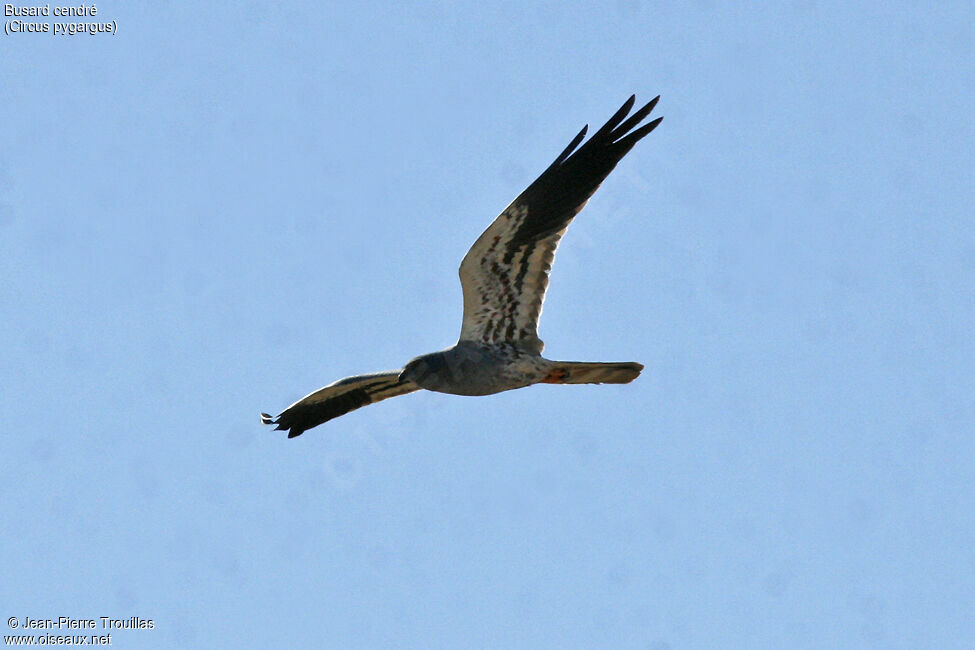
x: 293, y: 431
x: 624, y: 109
x: 627, y: 142
x: 569, y: 149
x: 614, y: 121
x: 633, y: 120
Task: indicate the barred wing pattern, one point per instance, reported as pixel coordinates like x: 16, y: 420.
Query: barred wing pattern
x: 338, y: 399
x: 505, y: 274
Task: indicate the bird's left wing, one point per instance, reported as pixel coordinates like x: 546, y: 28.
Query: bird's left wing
x: 505, y: 273
x: 338, y: 399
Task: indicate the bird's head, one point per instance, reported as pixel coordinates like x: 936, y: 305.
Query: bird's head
x: 424, y: 370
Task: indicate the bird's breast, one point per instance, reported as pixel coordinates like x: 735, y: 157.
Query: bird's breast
x: 476, y: 369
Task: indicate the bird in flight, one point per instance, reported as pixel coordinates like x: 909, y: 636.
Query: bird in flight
x: 504, y: 276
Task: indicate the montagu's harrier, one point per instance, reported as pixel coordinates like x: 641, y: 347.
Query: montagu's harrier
x: 504, y: 276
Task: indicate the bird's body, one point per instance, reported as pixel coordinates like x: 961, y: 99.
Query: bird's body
x: 476, y: 368
x: 504, y: 277
x: 473, y: 368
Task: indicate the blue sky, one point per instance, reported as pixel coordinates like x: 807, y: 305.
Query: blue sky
x: 220, y: 209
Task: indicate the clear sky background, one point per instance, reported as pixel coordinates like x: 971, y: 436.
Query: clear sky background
x: 228, y: 205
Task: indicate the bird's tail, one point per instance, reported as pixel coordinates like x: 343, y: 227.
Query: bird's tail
x: 580, y: 372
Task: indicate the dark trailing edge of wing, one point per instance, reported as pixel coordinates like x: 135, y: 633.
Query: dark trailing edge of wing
x: 557, y: 195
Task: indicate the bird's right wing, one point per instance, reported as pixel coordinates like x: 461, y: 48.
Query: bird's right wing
x: 505, y: 273
x: 338, y: 399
